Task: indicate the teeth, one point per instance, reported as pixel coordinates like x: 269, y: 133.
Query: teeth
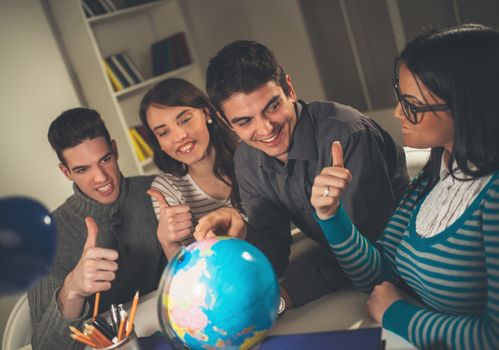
x: 186, y: 148
x: 104, y: 188
x: 270, y: 139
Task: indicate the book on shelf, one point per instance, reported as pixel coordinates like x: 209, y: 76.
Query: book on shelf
x: 95, y: 7
x: 118, y: 71
x: 140, y: 145
x: 115, y: 82
x: 122, y: 71
x: 126, y: 62
x: 170, y: 53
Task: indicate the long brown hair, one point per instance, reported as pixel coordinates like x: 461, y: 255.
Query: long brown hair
x: 180, y: 92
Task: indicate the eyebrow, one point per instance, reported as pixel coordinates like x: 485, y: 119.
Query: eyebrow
x: 176, y: 118
x: 77, y: 167
x: 271, y: 101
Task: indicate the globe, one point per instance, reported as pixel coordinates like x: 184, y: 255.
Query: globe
x: 218, y: 293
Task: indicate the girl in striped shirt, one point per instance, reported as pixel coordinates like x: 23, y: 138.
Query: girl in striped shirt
x: 194, y: 150
x: 443, y: 239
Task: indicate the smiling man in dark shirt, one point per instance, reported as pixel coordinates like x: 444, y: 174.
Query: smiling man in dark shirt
x: 286, y: 143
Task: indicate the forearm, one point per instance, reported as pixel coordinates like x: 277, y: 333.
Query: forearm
x: 50, y: 327
x: 429, y: 329
x: 360, y: 260
x: 69, y: 302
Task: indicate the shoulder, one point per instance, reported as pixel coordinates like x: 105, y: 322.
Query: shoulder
x: 334, y: 120
x: 246, y: 156
x: 167, y: 180
x: 139, y: 183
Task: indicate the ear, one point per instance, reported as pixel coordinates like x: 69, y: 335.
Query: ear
x: 114, y: 147
x: 292, y: 94
x: 207, y: 115
x: 65, y: 170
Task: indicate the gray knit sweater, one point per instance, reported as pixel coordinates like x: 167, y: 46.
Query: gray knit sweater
x: 127, y: 226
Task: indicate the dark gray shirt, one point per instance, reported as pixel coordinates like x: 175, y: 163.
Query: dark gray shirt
x: 273, y: 193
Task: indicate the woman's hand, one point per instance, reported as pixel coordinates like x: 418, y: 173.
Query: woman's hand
x: 381, y: 298
x: 329, y: 185
x: 174, y: 225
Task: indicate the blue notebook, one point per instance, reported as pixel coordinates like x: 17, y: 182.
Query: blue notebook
x: 364, y: 338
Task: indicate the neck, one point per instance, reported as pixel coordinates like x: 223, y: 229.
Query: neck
x: 204, y: 166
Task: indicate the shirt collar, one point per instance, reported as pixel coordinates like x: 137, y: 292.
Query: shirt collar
x: 444, y: 170
x: 303, y: 145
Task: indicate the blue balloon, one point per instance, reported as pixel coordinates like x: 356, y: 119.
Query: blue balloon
x: 27, y: 243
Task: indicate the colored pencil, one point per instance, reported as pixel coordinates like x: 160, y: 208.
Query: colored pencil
x: 85, y: 341
x: 129, y: 326
x: 96, y: 304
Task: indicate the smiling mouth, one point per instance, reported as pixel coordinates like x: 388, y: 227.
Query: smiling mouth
x: 186, y: 148
x: 107, y: 189
x: 273, y: 137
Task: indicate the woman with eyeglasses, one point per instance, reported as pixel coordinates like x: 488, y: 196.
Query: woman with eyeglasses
x: 443, y: 239
x: 194, y: 150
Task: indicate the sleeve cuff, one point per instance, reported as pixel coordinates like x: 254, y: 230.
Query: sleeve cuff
x: 337, y: 229
x: 398, y: 317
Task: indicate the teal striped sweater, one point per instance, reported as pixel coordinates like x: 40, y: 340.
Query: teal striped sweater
x: 455, y: 273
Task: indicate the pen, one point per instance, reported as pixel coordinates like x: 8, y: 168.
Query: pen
x: 115, y: 318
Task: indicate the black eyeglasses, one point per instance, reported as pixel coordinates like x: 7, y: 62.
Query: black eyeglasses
x: 410, y: 110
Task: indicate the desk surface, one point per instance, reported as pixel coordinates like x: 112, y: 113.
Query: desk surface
x: 344, y: 309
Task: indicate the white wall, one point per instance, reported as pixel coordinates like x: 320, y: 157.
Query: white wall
x: 34, y: 88
x: 277, y: 24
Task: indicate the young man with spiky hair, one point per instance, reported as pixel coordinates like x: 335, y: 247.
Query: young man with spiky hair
x: 106, y: 233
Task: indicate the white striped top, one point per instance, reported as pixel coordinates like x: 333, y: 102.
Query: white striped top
x: 184, y: 190
x: 447, y: 200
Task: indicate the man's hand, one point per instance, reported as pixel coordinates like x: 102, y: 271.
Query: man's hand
x: 381, y: 298
x: 94, y: 273
x: 330, y: 184
x: 175, y: 223
x: 225, y: 221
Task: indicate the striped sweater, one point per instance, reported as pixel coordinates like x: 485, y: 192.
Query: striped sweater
x: 183, y: 190
x: 455, y: 273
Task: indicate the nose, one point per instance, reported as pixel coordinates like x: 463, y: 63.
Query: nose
x: 100, y: 175
x: 179, y: 134
x: 398, y: 113
x: 263, y: 126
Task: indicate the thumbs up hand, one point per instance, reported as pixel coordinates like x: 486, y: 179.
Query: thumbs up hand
x: 174, y: 224
x: 96, y: 268
x: 94, y: 272
x: 329, y: 185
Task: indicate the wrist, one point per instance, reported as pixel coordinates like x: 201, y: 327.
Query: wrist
x: 170, y: 249
x: 327, y: 214
x: 69, y: 302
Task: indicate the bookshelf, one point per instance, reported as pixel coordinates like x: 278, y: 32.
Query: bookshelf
x: 87, y: 41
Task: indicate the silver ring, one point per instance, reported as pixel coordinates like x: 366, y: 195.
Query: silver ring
x: 326, y: 191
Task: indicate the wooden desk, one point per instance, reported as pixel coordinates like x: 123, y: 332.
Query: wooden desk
x: 344, y: 309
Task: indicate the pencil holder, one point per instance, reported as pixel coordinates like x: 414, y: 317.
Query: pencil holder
x: 129, y: 343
